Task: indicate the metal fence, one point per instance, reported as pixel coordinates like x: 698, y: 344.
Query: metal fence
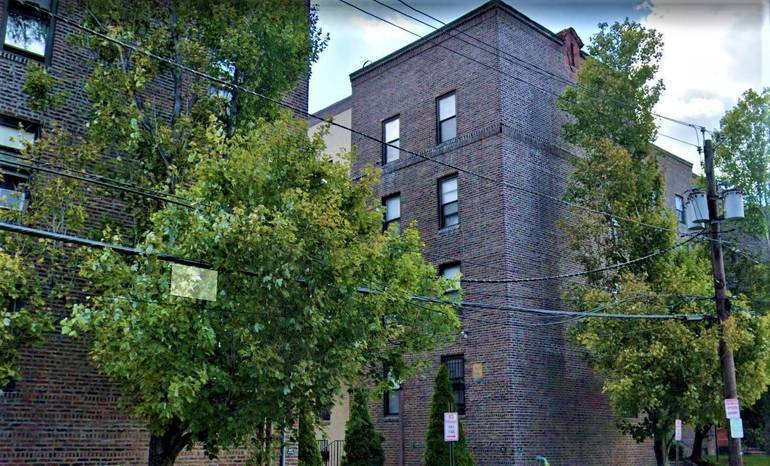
x: 331, y: 452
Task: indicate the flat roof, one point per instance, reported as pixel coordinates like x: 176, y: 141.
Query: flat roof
x: 334, y: 109
x: 481, y: 9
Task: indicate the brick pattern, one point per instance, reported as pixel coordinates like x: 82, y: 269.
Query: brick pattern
x: 63, y: 411
x: 537, y: 396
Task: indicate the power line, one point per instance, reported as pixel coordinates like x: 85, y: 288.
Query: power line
x: 305, y: 113
x: 578, y: 274
x: 528, y: 65
x: 127, y: 250
x: 97, y: 180
x: 278, y: 102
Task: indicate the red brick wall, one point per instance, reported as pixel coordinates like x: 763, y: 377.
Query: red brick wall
x: 537, y: 395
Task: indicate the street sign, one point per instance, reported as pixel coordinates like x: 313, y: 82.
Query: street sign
x: 732, y: 408
x: 451, y: 427
x: 192, y: 282
x: 736, y: 428
x: 678, y: 430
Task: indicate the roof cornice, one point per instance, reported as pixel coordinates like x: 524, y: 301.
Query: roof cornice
x: 490, y: 5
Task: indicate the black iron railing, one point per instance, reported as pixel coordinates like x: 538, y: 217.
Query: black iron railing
x: 331, y: 451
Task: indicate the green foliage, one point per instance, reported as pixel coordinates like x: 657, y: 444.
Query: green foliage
x: 309, y: 454
x: 40, y: 88
x: 617, y: 88
x: 266, y: 46
x: 742, y: 156
x: 363, y: 444
x: 283, y: 337
x: 436, y: 449
x: 23, y: 317
x: 653, y: 371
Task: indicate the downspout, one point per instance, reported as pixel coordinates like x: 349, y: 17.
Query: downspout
x: 402, y: 413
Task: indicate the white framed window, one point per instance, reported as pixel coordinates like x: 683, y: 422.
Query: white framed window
x: 391, y: 134
x: 679, y: 207
x: 451, y: 271
x: 446, y: 114
x: 448, y: 201
x: 392, y: 214
x: 14, y: 135
x: 25, y: 29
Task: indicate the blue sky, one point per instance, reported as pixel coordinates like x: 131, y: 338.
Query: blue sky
x: 714, y: 50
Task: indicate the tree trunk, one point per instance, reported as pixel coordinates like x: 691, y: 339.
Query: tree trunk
x: 661, y: 449
x: 165, y: 448
x: 697, y: 445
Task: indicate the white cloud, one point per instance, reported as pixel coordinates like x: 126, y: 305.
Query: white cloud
x: 713, y: 52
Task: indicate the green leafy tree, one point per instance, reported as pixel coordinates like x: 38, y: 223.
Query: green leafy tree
x: 363, y: 444
x: 437, y: 451
x: 742, y: 156
x: 293, y: 239
x: 22, y: 317
x: 654, y: 372
x: 309, y: 454
x: 148, y: 113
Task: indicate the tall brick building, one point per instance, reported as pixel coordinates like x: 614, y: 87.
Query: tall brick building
x: 523, y: 390
x: 62, y: 411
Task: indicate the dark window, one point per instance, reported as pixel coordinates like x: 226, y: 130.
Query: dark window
x: 392, y: 214
x: 393, y: 402
x: 447, y: 199
x: 451, y: 271
x: 325, y: 415
x: 14, y: 134
x: 456, y: 367
x: 26, y: 29
x: 446, y: 113
x: 679, y: 206
x: 391, y: 135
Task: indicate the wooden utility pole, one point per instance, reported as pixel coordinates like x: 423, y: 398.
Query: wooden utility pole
x: 720, y: 294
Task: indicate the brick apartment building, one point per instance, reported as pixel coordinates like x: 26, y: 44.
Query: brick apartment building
x: 63, y: 411
x: 522, y: 390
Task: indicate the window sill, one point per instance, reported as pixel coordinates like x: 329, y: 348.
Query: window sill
x: 21, y: 55
x: 392, y: 418
x: 448, y: 230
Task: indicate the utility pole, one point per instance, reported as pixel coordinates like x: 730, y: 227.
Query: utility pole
x: 720, y: 292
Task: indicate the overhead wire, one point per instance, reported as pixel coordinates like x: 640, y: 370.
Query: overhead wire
x: 228, y: 84
x: 526, y: 64
x: 587, y: 272
x: 305, y: 113
x: 127, y: 250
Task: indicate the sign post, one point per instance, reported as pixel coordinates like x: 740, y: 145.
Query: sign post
x: 677, y: 437
x: 451, y: 433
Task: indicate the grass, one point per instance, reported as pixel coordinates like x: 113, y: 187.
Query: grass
x: 748, y: 460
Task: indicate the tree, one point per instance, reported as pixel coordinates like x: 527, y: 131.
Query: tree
x: 437, y: 451
x: 148, y: 113
x: 363, y: 444
x: 743, y: 157
x: 23, y: 320
x: 294, y: 240
x: 654, y: 372
x: 309, y: 454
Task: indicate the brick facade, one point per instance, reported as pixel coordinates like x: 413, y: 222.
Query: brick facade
x: 63, y: 411
x: 536, y: 395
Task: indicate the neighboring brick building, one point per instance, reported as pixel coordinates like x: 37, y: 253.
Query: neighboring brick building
x: 526, y: 392
x: 63, y: 411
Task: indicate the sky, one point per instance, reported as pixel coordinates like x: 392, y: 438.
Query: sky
x: 714, y: 50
